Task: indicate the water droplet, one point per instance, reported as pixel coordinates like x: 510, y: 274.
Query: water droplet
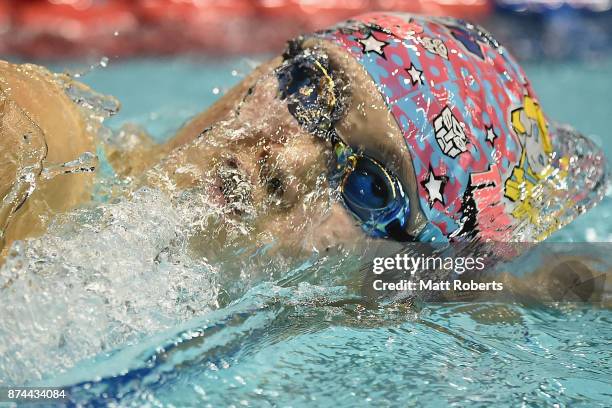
x: 85, y: 163
x: 591, y: 235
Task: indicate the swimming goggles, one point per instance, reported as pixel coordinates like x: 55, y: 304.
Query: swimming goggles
x: 371, y: 192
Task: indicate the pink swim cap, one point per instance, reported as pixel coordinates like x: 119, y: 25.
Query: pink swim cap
x: 486, y: 161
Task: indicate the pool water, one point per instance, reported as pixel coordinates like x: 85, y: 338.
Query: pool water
x: 295, y: 343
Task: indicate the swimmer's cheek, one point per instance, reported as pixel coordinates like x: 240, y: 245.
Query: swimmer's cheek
x: 335, y: 232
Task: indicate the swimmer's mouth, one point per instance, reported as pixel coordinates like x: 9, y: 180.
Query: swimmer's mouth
x: 233, y: 188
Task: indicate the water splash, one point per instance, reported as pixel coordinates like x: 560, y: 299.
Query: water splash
x: 23, y: 151
x: 96, y: 106
x: 85, y: 163
x: 26, y: 145
x: 100, y: 277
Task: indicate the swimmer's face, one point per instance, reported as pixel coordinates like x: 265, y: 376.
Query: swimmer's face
x: 262, y: 176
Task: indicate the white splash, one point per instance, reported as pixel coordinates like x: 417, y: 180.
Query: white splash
x: 100, y: 277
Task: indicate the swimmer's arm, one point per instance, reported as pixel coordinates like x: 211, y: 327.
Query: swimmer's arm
x: 41, y: 126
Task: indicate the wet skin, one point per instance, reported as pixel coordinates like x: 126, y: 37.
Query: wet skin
x: 282, y: 169
x: 246, y: 155
x: 40, y: 126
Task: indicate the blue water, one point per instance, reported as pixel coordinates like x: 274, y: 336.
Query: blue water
x: 306, y: 345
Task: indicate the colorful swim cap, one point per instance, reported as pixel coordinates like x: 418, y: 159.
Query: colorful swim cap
x: 486, y: 162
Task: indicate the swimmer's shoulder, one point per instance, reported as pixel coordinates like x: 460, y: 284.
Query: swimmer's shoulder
x: 222, y: 107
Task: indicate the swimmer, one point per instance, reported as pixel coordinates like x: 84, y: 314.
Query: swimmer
x: 420, y: 129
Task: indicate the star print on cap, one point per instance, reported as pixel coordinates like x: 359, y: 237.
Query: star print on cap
x: 371, y: 44
x: 478, y: 139
x: 435, y: 187
x: 491, y: 136
x: 416, y: 76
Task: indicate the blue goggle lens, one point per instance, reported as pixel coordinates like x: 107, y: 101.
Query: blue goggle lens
x: 367, y: 187
x: 374, y: 196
